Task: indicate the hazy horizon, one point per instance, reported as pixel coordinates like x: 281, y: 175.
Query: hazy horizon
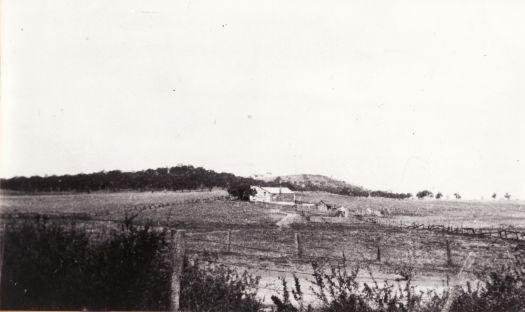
x: 394, y: 95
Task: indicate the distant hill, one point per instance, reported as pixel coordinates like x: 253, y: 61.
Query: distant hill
x: 305, y: 180
x: 316, y: 182
x: 183, y: 177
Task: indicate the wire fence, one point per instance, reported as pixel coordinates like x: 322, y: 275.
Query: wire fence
x: 295, y: 253
x: 501, y: 233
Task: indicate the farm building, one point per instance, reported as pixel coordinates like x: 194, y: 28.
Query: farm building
x: 342, y: 212
x: 272, y: 194
x: 324, y: 206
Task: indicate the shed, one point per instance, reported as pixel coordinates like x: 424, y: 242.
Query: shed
x: 324, y: 206
x: 272, y: 194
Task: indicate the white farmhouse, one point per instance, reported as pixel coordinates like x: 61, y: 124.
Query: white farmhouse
x: 272, y: 195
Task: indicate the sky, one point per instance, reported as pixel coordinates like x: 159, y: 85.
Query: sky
x: 388, y: 94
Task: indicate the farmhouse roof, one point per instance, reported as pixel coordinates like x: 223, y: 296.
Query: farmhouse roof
x: 277, y: 190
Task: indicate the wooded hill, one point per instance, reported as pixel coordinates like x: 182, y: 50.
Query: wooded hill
x: 183, y: 177
x: 175, y: 178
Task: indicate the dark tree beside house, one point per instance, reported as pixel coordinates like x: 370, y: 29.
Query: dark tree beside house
x: 241, y: 191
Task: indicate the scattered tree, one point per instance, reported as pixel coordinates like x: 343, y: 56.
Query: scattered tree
x: 439, y: 195
x: 457, y: 195
x: 424, y: 194
x: 494, y: 196
x: 507, y: 196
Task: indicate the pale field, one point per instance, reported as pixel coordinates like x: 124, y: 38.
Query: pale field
x: 265, y: 249
x: 457, y: 213
x: 96, y: 203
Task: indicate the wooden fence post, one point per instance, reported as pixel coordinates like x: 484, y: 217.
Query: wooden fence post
x: 178, y: 249
x: 378, y: 245
x: 298, y: 245
x: 3, y: 233
x: 449, y: 254
x: 229, y: 241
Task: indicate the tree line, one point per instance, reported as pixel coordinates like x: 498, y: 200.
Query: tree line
x: 177, y: 178
x: 428, y: 194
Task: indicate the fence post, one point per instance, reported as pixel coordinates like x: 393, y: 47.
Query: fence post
x: 3, y: 233
x: 378, y: 252
x: 229, y: 241
x: 179, y: 246
x: 298, y: 245
x: 449, y: 255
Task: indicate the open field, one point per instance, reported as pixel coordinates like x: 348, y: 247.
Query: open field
x: 258, y: 244
x: 466, y: 213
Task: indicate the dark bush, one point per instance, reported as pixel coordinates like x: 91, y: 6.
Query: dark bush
x: 49, y: 266
x: 55, y: 267
x: 215, y: 287
x: 424, y: 194
x: 500, y: 290
x: 241, y: 191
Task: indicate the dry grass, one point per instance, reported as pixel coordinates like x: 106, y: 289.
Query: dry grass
x: 457, y: 213
x: 254, y: 226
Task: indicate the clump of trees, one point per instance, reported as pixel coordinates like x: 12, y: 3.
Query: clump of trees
x: 424, y: 194
x: 359, y: 192
x: 390, y: 195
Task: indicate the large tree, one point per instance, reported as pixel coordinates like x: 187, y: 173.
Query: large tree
x: 241, y: 191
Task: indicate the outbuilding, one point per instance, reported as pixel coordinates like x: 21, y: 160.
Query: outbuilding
x: 272, y: 194
x: 324, y: 206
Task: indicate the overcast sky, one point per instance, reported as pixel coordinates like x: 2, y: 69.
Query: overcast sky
x: 399, y: 95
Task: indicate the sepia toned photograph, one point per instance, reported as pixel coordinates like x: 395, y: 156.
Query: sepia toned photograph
x: 262, y: 155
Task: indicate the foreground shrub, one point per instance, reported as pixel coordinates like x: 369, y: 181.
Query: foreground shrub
x: 215, y: 287
x: 502, y: 289
x: 48, y: 266
x: 55, y: 267
x: 337, y: 290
